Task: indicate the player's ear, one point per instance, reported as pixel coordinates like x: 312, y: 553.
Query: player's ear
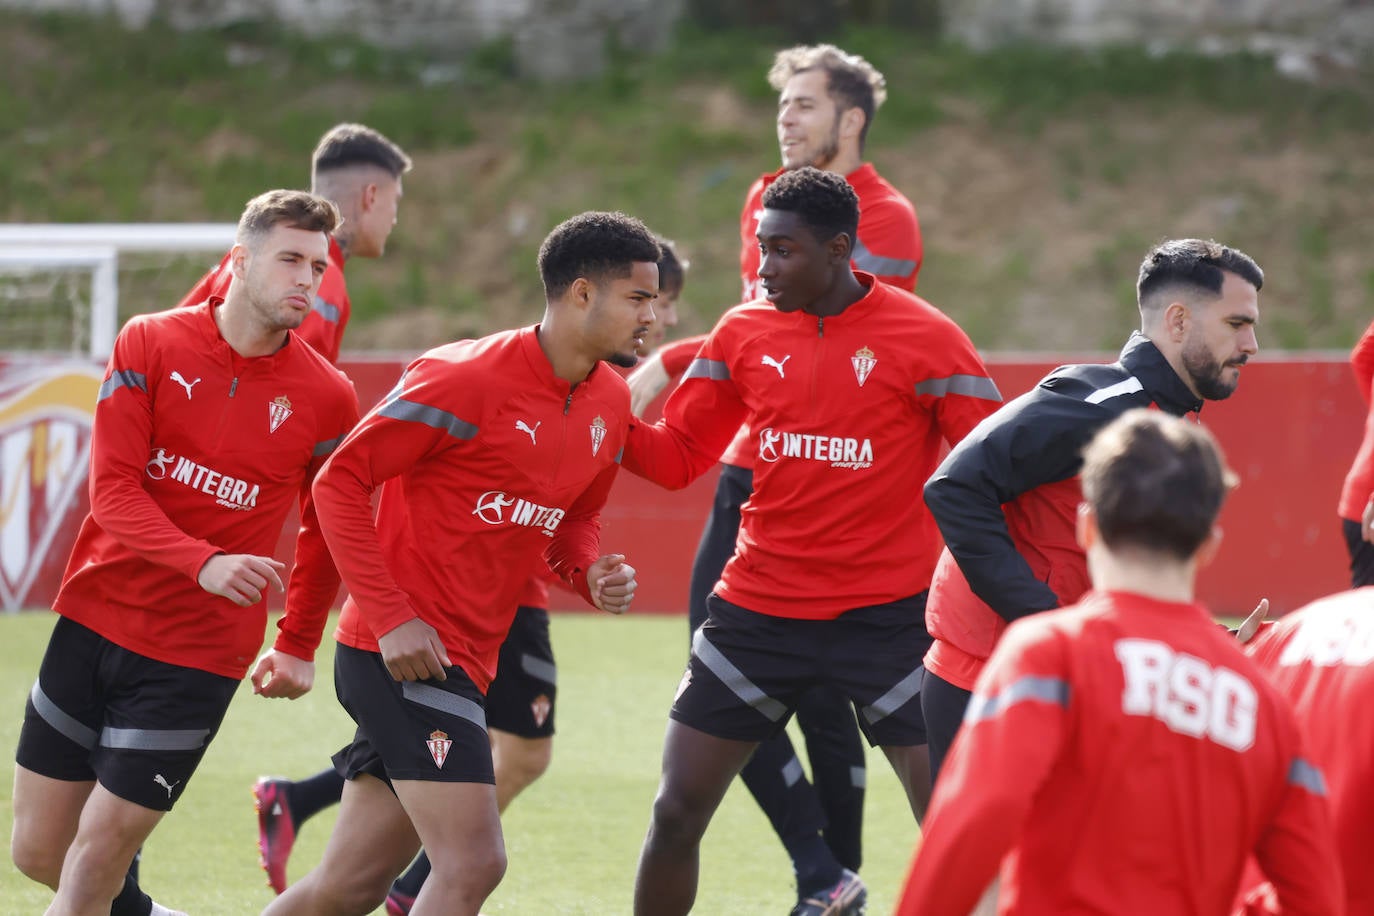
x: 369, y: 195
x: 1208, y: 551
x: 238, y: 259
x: 580, y: 292
x: 1085, y: 526
x: 840, y: 248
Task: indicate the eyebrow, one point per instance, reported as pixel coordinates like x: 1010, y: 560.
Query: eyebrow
x: 648, y: 293
x: 1244, y: 319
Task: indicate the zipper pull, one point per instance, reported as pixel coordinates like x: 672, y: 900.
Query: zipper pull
x: 567, y: 405
x: 820, y: 327
x: 233, y: 386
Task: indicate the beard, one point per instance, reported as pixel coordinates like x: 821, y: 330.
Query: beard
x: 623, y: 360
x: 1206, y: 372
x: 829, y: 151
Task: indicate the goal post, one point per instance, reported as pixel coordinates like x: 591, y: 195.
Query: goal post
x: 61, y: 284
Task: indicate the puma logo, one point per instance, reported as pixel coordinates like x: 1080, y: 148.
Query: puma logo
x: 770, y: 361
x: 525, y: 428
x: 181, y: 380
x: 159, y: 778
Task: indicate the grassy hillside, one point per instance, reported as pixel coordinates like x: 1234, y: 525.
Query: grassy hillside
x: 1040, y: 178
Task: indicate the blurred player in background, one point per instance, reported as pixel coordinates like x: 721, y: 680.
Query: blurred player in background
x: 1356, y: 506
x: 1123, y: 754
x: 211, y: 423
x: 360, y: 171
x: 1321, y: 658
x: 1006, y: 497
x: 826, y: 105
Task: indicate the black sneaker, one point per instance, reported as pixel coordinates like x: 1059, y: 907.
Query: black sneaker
x: 847, y: 897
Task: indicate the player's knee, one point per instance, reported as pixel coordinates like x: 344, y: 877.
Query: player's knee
x: 474, y: 877
x: 34, y: 861
x: 533, y: 761
x: 677, y: 820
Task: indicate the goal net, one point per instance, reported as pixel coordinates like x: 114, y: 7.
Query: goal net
x: 67, y: 289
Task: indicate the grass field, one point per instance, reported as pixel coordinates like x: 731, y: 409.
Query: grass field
x: 573, y: 838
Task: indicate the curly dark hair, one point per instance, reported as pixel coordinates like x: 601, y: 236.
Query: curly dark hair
x: 1201, y: 264
x: 594, y: 245
x: 824, y: 201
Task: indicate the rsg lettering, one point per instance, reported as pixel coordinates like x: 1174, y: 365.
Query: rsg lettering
x: 1188, y: 695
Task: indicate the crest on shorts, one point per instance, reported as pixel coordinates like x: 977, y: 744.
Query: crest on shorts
x: 541, y: 707
x: 863, y: 361
x: 277, y: 412
x: 439, y: 744
x: 598, y: 429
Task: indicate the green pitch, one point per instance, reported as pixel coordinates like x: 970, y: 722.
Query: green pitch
x: 572, y: 838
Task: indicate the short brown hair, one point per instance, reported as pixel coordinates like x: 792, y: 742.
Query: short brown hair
x: 295, y: 209
x: 852, y: 81
x: 1156, y: 482
x: 345, y: 145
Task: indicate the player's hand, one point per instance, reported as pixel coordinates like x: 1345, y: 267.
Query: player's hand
x: 278, y: 675
x: 612, y: 583
x: 1366, y: 522
x: 648, y: 379
x: 1251, y: 625
x: 413, y: 652
x: 241, y: 577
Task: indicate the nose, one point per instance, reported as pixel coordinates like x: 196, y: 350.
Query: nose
x: 667, y: 314
x: 786, y: 115
x: 646, y: 313
x: 1249, y: 341
x: 766, y: 268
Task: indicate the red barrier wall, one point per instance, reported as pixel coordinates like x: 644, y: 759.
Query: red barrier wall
x: 1290, y: 433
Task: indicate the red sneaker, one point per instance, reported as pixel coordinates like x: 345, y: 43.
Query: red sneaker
x: 276, y: 829
x: 398, y: 904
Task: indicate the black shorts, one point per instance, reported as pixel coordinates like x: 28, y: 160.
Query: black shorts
x: 101, y: 712
x: 748, y: 669
x: 521, y: 699
x: 430, y: 730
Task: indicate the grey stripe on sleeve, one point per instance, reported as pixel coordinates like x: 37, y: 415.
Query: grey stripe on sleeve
x: 1304, y: 774
x: 876, y: 264
x: 712, y: 369
x: 327, y: 310
x: 122, y: 378
x: 327, y: 446
x: 413, y: 412
x: 974, y: 386
x: 1042, y: 689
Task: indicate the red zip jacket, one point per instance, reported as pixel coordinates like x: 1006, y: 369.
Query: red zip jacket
x: 1125, y: 756
x: 195, y: 451
x: 1359, y: 481
x: 323, y: 327
x: 849, y: 412
x: 485, y: 459
x: 888, y: 246
x: 1321, y: 658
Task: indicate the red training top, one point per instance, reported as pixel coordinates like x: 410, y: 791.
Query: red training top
x: 323, y: 327
x: 196, y: 451
x: 1321, y: 658
x: 1125, y: 757
x: 1359, y: 481
x: 888, y: 246
x: 484, y: 459
x: 849, y: 411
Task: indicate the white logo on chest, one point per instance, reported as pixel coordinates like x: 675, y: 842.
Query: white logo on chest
x: 526, y: 428
x: 181, y: 380
x: 770, y: 361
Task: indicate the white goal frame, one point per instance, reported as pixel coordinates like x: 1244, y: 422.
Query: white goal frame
x: 96, y: 247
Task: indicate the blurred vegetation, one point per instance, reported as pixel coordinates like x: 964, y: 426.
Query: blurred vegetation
x: 1040, y: 176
